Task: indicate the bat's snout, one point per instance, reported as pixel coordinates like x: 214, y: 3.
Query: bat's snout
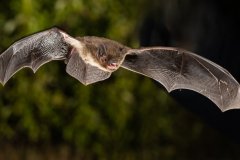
x: 112, y: 66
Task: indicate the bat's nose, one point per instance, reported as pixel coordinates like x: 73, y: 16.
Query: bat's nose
x: 113, y: 61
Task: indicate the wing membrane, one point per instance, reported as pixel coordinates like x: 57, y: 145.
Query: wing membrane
x: 32, y: 51
x: 85, y: 73
x: 180, y: 69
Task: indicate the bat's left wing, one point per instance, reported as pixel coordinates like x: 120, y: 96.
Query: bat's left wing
x: 180, y: 69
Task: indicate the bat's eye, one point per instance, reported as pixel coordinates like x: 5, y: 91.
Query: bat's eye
x: 106, y: 59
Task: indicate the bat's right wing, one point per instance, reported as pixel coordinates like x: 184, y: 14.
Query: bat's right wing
x: 33, y: 51
x: 85, y: 73
x: 40, y: 48
x: 180, y: 69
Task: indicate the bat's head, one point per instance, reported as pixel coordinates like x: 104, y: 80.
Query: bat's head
x: 110, y: 57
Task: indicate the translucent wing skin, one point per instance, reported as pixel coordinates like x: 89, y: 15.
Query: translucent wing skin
x: 40, y: 48
x: 33, y: 51
x: 180, y: 69
x: 172, y: 67
x: 85, y: 73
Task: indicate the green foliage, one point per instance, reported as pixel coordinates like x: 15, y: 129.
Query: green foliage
x: 123, y: 117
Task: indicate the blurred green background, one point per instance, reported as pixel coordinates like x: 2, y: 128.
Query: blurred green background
x: 51, y: 115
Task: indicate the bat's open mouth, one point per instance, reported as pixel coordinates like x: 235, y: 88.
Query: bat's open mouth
x: 112, y: 66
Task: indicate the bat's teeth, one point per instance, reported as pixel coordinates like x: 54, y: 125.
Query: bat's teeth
x: 112, y: 66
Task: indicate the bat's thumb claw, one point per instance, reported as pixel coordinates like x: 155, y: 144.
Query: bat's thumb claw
x: 66, y: 61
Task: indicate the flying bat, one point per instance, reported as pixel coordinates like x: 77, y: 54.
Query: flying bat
x: 90, y: 59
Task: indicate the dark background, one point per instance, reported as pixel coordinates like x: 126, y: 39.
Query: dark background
x: 50, y: 115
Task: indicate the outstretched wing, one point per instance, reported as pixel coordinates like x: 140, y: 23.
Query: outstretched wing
x: 33, y: 51
x: 85, y: 73
x: 180, y: 69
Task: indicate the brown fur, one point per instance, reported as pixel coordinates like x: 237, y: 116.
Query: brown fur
x: 116, y: 52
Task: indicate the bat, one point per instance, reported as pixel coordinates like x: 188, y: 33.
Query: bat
x: 91, y: 59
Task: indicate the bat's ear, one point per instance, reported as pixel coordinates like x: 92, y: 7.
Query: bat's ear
x: 101, y: 51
